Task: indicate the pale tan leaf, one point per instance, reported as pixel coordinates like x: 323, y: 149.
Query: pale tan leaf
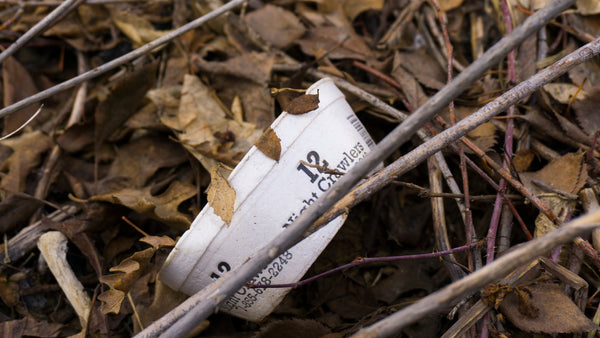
x: 139, y: 159
x: 220, y: 195
x: 277, y: 26
x: 588, y: 7
x: 269, y: 144
x: 126, y: 266
x: 567, y: 173
x: 27, y: 150
x: 163, y: 207
x: 111, y: 301
x: 564, y: 92
x: 446, y: 5
x: 158, y: 242
x: 139, y: 30
x: 353, y: 8
x: 18, y: 84
x: 199, y: 121
x: 129, y: 270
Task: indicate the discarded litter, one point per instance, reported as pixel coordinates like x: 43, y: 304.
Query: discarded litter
x: 272, y: 188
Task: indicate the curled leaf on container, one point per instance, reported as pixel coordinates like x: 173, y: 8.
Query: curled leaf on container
x: 303, y: 104
x: 269, y: 144
x: 220, y: 195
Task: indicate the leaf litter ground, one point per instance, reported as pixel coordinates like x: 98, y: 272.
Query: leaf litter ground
x: 149, y: 144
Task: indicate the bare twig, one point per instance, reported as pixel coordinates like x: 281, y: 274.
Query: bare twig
x: 147, y: 48
x: 419, y: 154
x: 53, y: 247
x: 508, y: 143
x: 41, y: 26
x: 439, y: 221
x: 18, y: 12
x: 365, y: 260
x: 196, y: 308
x: 474, y: 259
x: 389, y: 110
x: 465, y: 287
x: 23, y: 125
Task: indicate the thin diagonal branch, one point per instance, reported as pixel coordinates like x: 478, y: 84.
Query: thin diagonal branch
x: 145, y: 49
x: 198, y: 307
x: 454, y: 292
x: 38, y: 28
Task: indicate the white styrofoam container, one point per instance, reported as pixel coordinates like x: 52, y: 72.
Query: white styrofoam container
x: 270, y: 195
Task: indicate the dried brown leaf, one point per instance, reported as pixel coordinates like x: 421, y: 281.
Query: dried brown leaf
x: 76, y: 229
x: 27, y: 151
x: 522, y: 159
x: 571, y: 129
x: 586, y: 112
x: 338, y: 44
x: 9, y: 291
x: 567, y: 173
x: 353, y: 8
x: 484, y: 136
x: 526, y: 307
x: 588, y: 7
x: 269, y: 144
x: 158, y: 242
x: 493, y: 294
x: 446, y: 5
x: 165, y: 299
x: 586, y: 24
x: 332, y: 32
x: 18, y: 84
x: 255, y: 67
x: 16, y: 210
x: 557, y: 313
x: 564, y: 92
x: 411, y: 88
x: 390, y: 288
x: 277, y: 26
x: 139, y: 159
x: 128, y: 273
x: 199, y: 118
x: 76, y: 137
x: 163, y: 207
x: 303, y: 104
x: 257, y: 102
x: 526, y: 53
x: 587, y: 73
x: 402, y: 33
x: 138, y: 29
x: 30, y: 327
x: 111, y: 301
x: 423, y: 67
x: 125, y: 96
x: 220, y: 195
